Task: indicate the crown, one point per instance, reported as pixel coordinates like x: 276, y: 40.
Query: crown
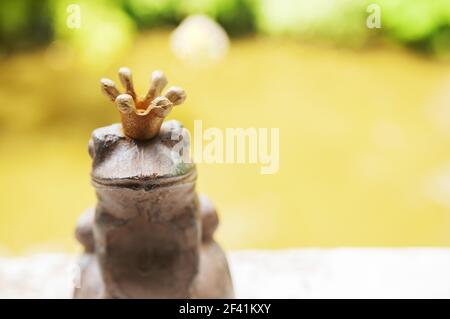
x: 142, y: 116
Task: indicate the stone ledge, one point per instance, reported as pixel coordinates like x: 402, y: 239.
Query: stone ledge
x: 297, y: 273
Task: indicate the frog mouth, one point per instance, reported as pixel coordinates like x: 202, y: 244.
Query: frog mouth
x: 146, y: 183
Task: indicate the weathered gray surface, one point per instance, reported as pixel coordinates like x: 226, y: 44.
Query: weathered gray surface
x: 301, y: 273
x: 150, y: 234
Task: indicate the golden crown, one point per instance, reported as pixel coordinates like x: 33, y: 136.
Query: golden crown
x: 142, y: 117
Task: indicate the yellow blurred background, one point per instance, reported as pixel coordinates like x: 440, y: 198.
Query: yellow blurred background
x: 364, y: 138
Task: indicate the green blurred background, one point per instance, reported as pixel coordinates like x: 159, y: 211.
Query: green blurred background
x: 364, y: 114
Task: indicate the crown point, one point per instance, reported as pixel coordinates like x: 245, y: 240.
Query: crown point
x: 161, y: 106
x: 157, y: 84
x: 176, y: 95
x: 127, y: 81
x: 125, y: 103
x: 109, y: 88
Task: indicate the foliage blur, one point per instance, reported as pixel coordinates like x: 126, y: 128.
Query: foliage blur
x: 419, y: 24
x: 364, y: 115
